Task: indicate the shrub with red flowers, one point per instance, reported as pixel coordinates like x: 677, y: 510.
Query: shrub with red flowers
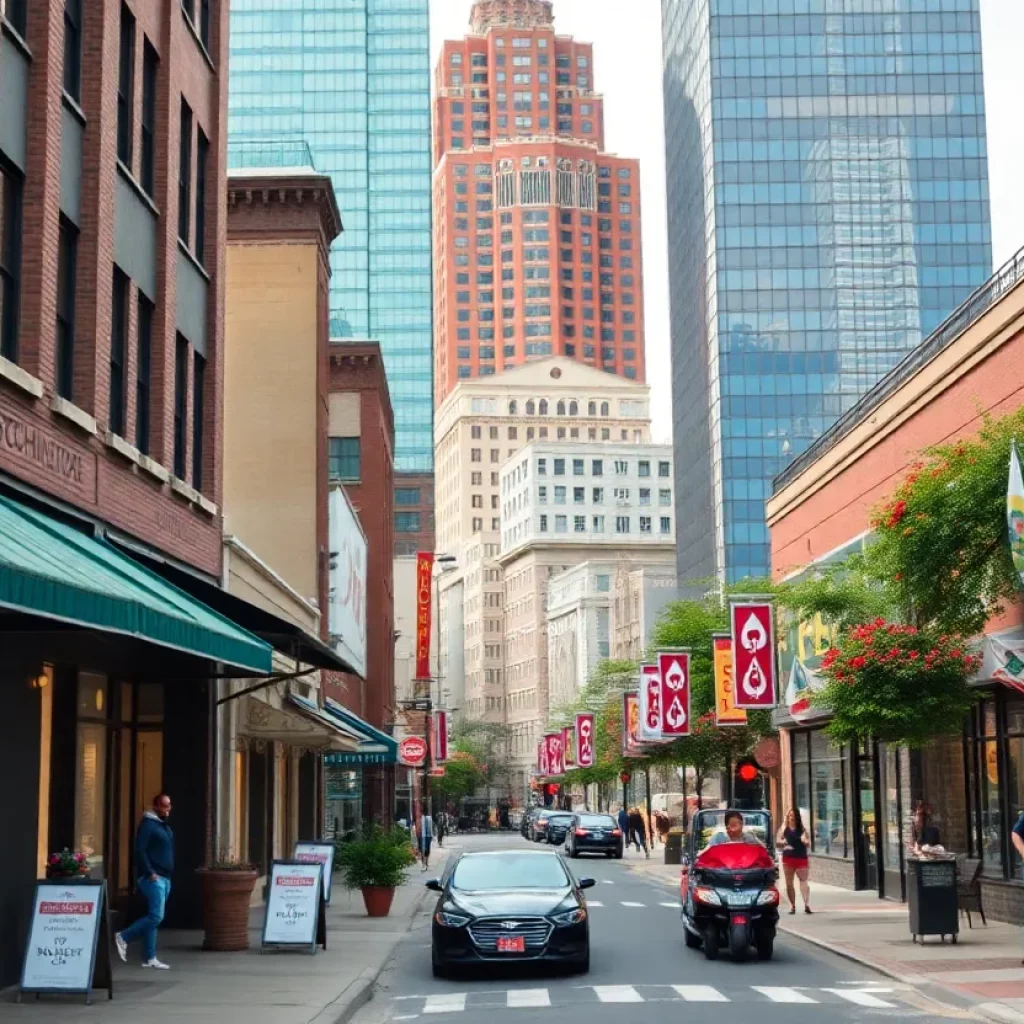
x: 897, y: 683
x: 67, y: 864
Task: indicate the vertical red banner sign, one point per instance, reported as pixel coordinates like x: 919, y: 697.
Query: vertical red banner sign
x: 569, y: 746
x: 651, y: 710
x: 674, y: 668
x: 556, y: 755
x: 424, y: 590
x: 440, y: 737
x: 543, y: 768
x: 753, y: 654
x: 585, y: 740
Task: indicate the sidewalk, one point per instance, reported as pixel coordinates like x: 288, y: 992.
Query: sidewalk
x: 255, y: 987
x: 982, y: 971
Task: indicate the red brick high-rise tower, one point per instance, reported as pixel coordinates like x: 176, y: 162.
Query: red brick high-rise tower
x: 537, y: 245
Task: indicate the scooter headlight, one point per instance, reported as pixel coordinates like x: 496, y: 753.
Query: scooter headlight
x: 768, y: 898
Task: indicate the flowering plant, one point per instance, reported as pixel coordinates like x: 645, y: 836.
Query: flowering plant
x: 897, y: 683
x: 67, y: 864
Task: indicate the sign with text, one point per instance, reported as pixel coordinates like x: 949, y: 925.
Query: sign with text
x: 585, y: 740
x: 294, y: 896
x: 424, y: 584
x: 674, y: 669
x: 318, y: 853
x: 726, y: 712
x: 650, y: 704
x: 440, y: 751
x: 569, y: 746
x: 753, y: 654
x: 68, y: 921
x: 631, y: 746
x: 412, y: 751
x: 556, y: 753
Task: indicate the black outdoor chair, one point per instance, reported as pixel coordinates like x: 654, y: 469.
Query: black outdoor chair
x: 968, y: 889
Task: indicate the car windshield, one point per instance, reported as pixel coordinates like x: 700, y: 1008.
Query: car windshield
x: 597, y: 821
x: 560, y: 819
x: 509, y: 871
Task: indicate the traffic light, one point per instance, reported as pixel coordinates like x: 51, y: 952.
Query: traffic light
x: 747, y: 785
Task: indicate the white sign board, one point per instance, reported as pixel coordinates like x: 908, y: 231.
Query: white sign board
x: 346, y: 619
x: 318, y: 853
x: 61, y: 946
x: 293, y: 904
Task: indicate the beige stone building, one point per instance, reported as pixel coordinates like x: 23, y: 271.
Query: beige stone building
x: 639, y: 596
x: 479, y: 426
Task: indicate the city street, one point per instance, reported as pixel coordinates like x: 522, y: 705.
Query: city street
x: 638, y: 956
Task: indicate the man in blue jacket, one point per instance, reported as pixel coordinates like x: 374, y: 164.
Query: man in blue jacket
x: 154, y: 865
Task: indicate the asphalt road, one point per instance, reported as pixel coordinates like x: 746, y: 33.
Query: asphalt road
x: 638, y: 956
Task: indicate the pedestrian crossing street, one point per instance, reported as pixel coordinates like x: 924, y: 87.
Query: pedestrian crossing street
x: 413, y: 1007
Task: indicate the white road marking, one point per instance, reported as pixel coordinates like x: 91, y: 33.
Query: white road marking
x: 617, y: 994
x: 674, y: 906
x: 700, y: 994
x: 607, y: 881
x: 862, y: 997
x: 625, y: 904
x: 524, y: 997
x: 783, y: 995
x: 594, y: 903
x: 449, y: 1002
x: 407, y: 1016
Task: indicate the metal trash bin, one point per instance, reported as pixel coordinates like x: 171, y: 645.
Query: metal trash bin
x: 674, y: 846
x: 931, y: 891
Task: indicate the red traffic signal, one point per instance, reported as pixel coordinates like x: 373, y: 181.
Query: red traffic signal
x: 747, y: 771
x: 624, y: 777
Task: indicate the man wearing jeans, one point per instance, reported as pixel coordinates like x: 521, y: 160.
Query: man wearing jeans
x: 154, y: 865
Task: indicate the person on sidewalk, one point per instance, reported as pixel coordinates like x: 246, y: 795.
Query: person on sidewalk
x: 623, y: 818
x: 637, y: 832
x: 426, y: 836
x: 154, y: 865
x: 793, y: 840
x: 442, y: 828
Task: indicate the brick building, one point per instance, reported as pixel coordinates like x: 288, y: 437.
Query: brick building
x: 537, y: 244
x: 858, y: 802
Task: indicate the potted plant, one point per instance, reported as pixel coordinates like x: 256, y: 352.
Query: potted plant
x: 375, y: 863
x: 227, y: 892
x: 67, y: 865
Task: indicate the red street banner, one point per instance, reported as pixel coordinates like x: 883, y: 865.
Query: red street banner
x: 674, y: 668
x: 424, y: 577
x: 650, y: 704
x: 753, y: 654
x: 631, y: 724
x: 569, y: 746
x: 585, y: 740
x: 440, y: 737
x: 543, y: 767
x: 556, y: 754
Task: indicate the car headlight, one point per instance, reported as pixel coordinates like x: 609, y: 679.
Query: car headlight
x: 704, y: 894
x: 449, y: 917
x: 768, y: 897
x: 577, y: 915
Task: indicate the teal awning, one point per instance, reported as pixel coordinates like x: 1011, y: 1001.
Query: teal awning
x: 54, y: 571
x: 375, y: 747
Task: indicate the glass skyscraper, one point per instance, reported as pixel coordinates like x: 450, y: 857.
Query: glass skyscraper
x: 351, y: 79
x: 828, y: 207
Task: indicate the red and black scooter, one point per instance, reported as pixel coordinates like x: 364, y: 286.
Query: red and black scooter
x: 729, y: 891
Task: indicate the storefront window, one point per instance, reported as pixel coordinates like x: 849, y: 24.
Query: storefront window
x: 801, y: 777
x: 991, y: 816
x: 91, y: 771
x: 821, y: 792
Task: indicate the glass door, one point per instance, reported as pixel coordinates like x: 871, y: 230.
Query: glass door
x: 890, y: 818
x: 866, y: 855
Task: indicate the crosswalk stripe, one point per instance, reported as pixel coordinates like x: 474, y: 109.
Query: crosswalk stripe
x: 674, y: 906
x: 523, y: 997
x: 618, y: 994
x: 449, y: 1002
x: 700, y: 994
x: 861, y: 997
x: 594, y: 903
x: 625, y: 904
x: 783, y: 995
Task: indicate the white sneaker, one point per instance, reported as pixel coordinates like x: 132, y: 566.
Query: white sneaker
x: 122, y: 947
x: 158, y: 965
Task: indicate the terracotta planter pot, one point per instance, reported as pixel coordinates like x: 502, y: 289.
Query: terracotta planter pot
x: 226, y: 897
x: 377, y: 899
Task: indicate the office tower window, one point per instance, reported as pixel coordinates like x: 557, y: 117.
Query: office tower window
x: 409, y: 495
x: 118, y: 350
x: 10, y: 260
x: 147, y: 169
x: 143, y: 372
x: 202, y: 153
x: 67, y: 264
x: 185, y: 172
x: 16, y: 13
x: 126, y: 88
x: 180, y: 404
x: 198, y: 395
x: 407, y: 522
x: 73, y: 49
x: 345, y: 459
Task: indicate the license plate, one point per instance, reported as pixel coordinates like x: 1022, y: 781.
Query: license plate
x: 512, y: 944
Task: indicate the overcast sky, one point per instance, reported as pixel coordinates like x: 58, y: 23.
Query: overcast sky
x: 627, y: 62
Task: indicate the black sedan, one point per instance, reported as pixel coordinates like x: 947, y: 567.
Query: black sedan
x: 507, y: 907
x: 594, y: 833
x: 558, y: 828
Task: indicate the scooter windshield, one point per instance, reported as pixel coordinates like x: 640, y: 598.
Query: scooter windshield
x: 735, y: 857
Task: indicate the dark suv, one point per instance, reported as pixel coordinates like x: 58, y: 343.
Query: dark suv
x: 594, y: 833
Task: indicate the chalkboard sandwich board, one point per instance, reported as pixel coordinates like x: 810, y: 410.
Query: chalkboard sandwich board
x: 68, y: 948
x: 296, y: 912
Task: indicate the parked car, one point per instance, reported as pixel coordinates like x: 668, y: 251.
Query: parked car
x: 558, y: 827
x: 539, y: 826
x: 594, y: 833
x: 509, y: 906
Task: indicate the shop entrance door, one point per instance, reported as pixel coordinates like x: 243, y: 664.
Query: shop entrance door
x: 866, y: 824
x: 891, y: 802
